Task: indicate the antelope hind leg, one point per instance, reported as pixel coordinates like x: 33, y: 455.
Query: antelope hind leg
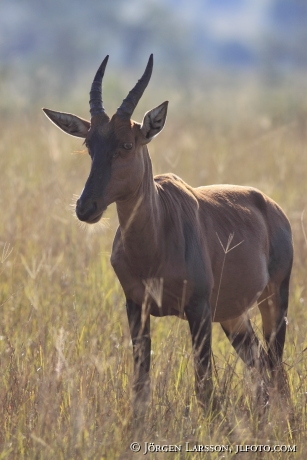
x: 273, y: 306
x: 241, y: 335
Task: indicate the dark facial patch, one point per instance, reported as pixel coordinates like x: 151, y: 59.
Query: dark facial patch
x: 101, y: 149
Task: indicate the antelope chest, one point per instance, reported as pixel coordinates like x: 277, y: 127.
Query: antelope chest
x: 165, y: 290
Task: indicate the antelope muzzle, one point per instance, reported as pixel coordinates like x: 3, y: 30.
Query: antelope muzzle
x: 87, y: 211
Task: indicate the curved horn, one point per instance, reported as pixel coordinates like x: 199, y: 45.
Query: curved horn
x: 129, y: 104
x: 96, y: 106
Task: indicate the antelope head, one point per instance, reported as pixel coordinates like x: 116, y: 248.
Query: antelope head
x: 115, y: 145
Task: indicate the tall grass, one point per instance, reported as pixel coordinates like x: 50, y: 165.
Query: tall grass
x: 65, y: 351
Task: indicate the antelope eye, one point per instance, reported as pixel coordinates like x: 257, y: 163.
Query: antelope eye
x: 128, y: 145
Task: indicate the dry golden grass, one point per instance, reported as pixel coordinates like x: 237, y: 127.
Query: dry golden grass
x: 65, y: 352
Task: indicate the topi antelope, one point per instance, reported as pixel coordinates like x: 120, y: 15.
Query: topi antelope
x: 204, y: 254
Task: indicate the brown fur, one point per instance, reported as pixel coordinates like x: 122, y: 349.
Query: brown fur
x: 204, y: 254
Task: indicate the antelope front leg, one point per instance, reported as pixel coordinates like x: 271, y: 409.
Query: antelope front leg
x: 199, y: 317
x: 139, y: 324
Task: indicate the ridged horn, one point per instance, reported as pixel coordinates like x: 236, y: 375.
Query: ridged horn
x: 96, y: 105
x: 129, y: 104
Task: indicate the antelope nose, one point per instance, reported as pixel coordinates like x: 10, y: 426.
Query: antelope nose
x: 85, y: 210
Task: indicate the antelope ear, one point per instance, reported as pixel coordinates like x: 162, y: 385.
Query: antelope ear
x: 153, y: 122
x: 70, y: 124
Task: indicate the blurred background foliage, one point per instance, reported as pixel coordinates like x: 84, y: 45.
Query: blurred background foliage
x: 51, y: 48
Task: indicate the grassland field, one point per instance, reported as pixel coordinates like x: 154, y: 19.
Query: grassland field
x: 65, y: 351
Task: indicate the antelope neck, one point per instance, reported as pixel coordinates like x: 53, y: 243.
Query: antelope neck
x: 139, y: 217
